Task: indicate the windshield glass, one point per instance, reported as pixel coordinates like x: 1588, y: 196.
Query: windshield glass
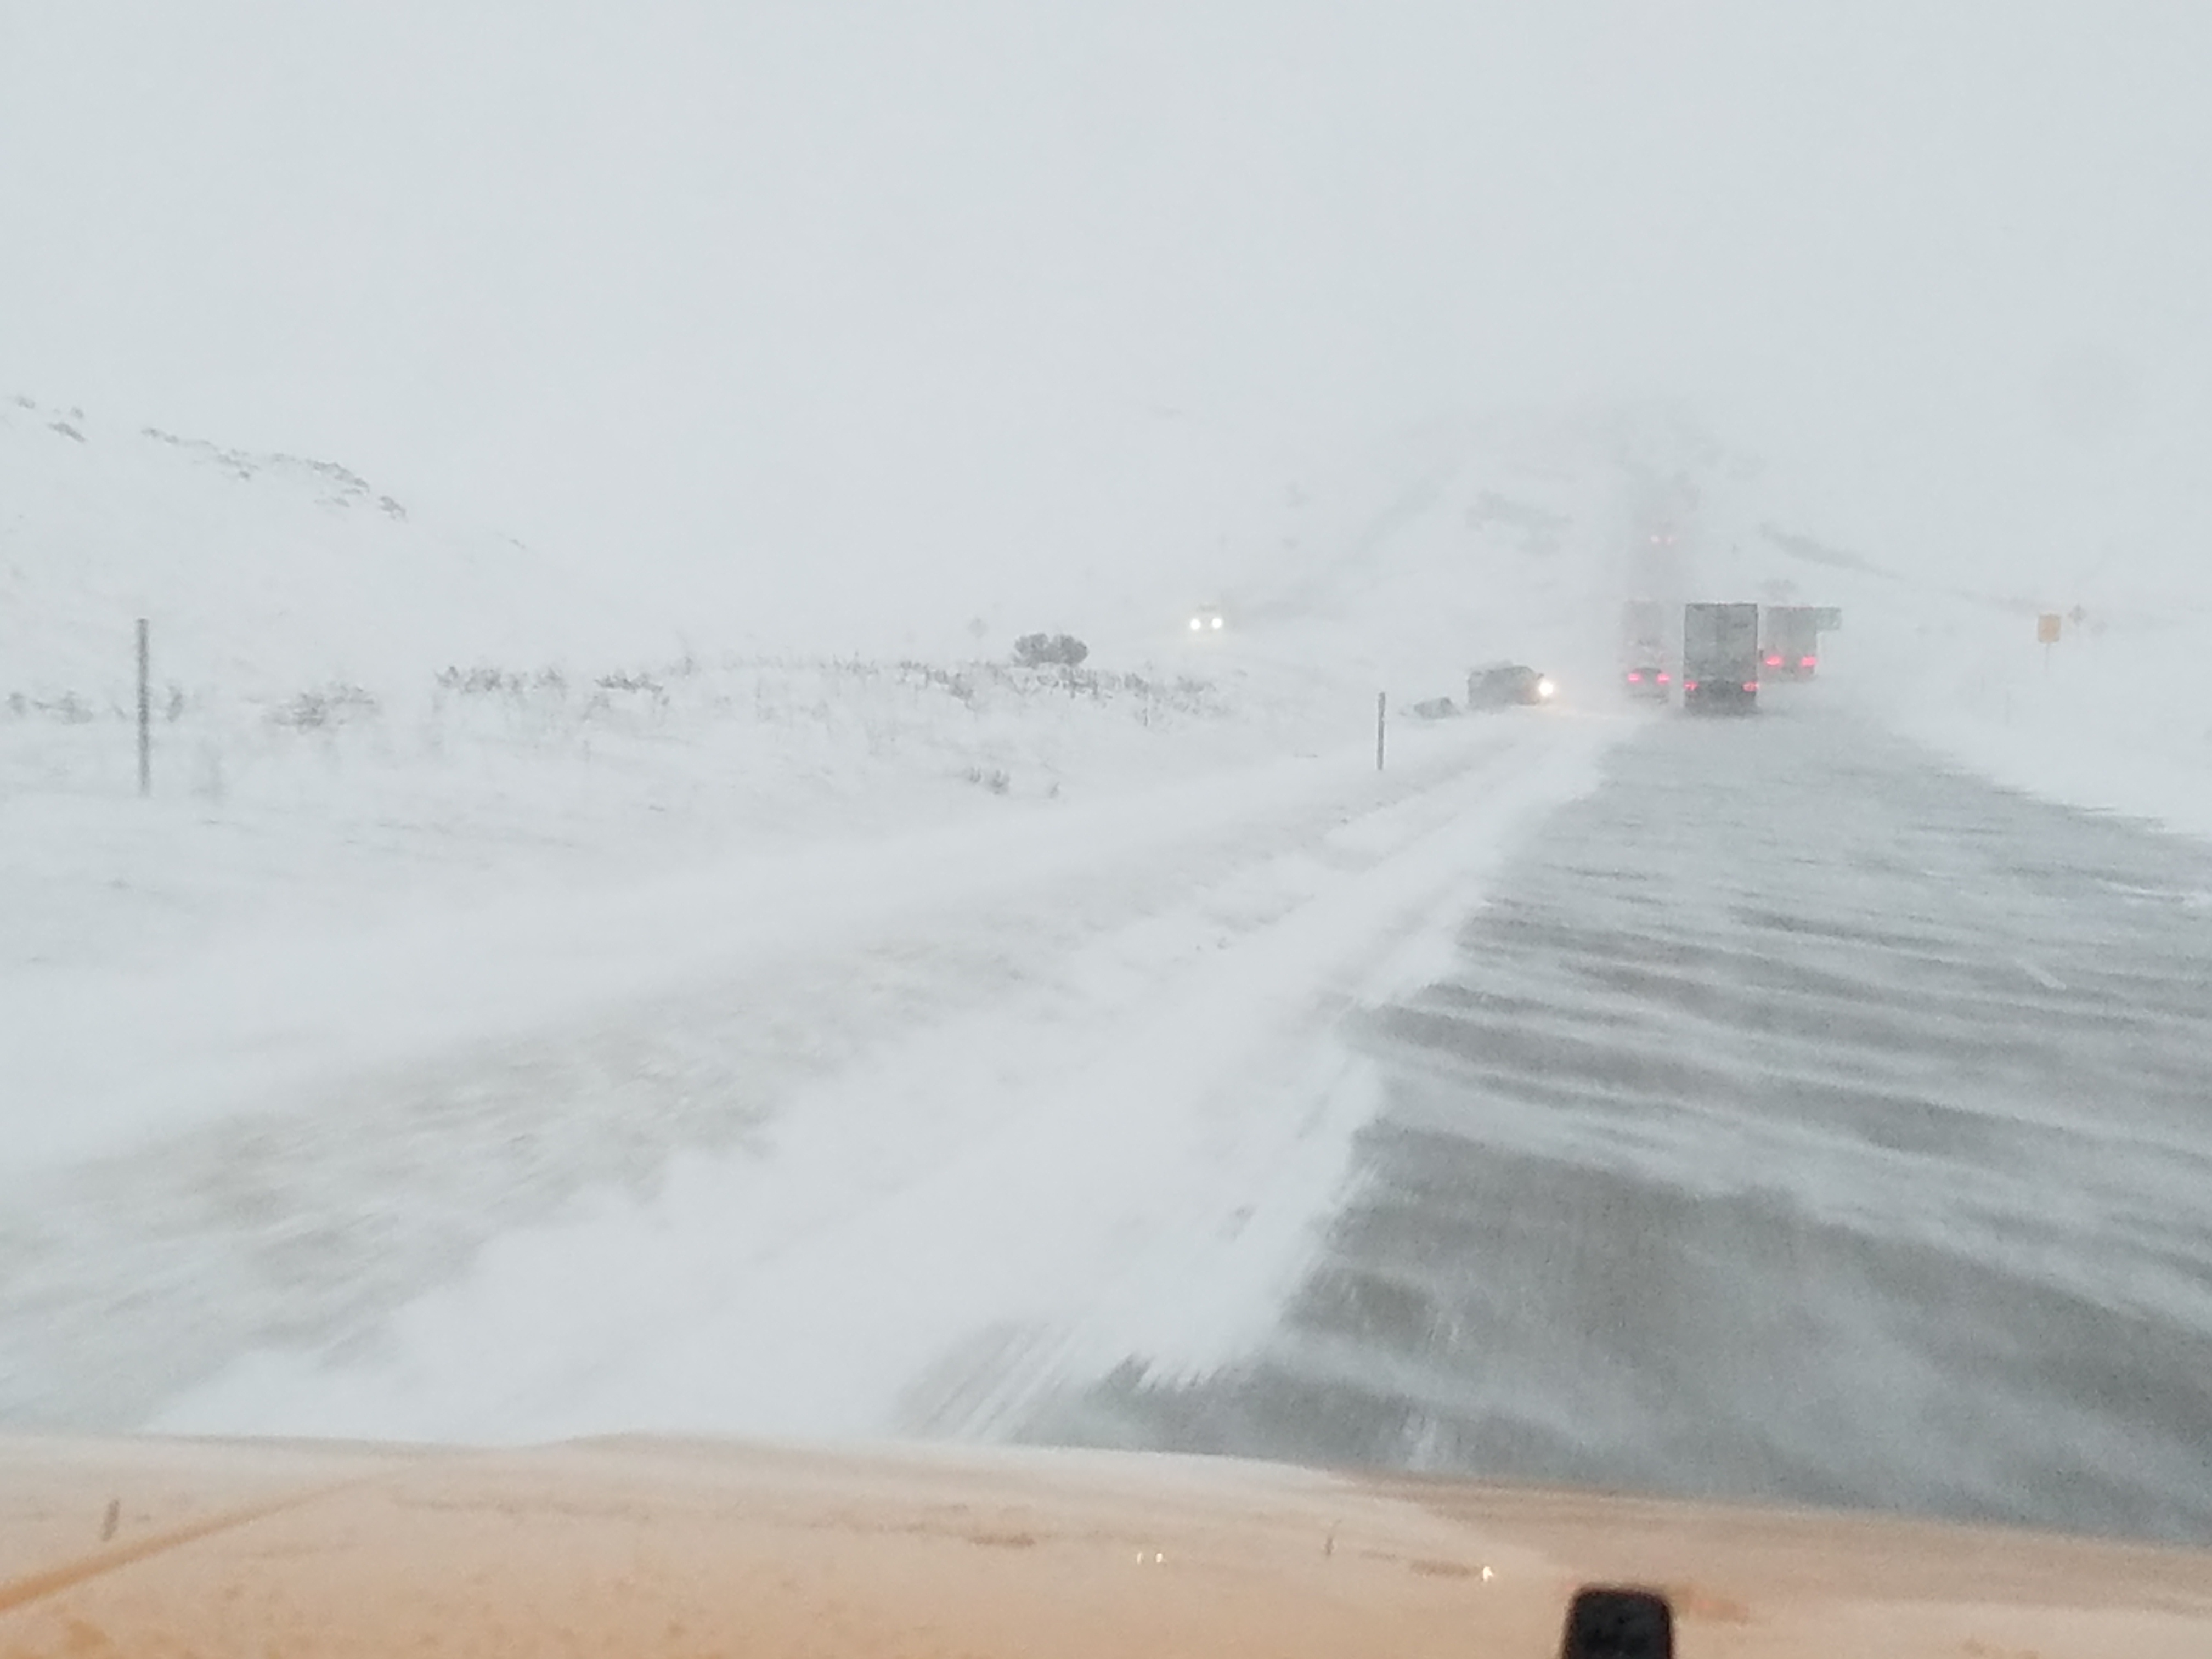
x: 621, y: 816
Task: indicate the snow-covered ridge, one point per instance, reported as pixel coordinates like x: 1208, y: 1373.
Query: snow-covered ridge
x: 259, y: 573
x: 330, y: 484
x: 340, y: 487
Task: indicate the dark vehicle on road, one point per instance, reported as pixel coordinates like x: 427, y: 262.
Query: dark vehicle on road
x: 1505, y: 685
x: 1645, y: 656
x: 1720, y: 658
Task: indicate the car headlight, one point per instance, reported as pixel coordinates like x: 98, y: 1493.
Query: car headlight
x: 1545, y: 688
x: 1196, y: 625
x: 1217, y: 622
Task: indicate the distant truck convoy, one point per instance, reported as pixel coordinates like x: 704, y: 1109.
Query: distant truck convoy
x: 1790, y: 641
x: 1720, y: 658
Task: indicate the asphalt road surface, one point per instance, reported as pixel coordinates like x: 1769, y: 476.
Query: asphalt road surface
x: 1803, y: 1120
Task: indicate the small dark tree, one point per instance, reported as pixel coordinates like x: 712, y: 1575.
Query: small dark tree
x: 1056, y: 650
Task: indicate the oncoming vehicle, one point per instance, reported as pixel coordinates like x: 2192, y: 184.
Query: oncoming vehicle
x: 1505, y: 685
x: 1206, y: 619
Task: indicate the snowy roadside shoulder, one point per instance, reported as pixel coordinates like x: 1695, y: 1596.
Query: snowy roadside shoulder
x: 333, y: 805
x: 291, y: 1142
x: 2110, y: 718
x: 1121, y: 1153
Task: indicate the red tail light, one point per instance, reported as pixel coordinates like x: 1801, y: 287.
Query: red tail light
x: 1804, y: 662
x: 1751, y: 685
x: 1689, y: 685
x: 1635, y: 679
x: 1774, y: 662
x: 1662, y: 680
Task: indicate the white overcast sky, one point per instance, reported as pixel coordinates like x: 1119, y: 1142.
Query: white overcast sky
x: 873, y: 287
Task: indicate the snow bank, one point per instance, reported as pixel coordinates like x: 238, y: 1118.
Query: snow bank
x: 2113, y: 717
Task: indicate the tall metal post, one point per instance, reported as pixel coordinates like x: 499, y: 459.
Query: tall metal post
x: 145, y: 709
x: 1382, y: 703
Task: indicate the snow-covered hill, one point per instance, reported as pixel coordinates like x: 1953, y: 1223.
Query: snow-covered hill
x: 262, y: 575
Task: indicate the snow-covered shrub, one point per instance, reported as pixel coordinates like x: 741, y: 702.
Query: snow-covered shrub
x: 992, y: 778
x: 323, y: 707
x: 482, y: 681
x: 1050, y: 650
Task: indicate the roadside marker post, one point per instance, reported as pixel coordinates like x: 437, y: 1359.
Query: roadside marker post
x: 1382, y: 703
x: 145, y: 709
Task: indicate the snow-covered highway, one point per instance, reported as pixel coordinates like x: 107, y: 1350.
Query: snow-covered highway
x: 1759, y: 1108
x: 1802, y: 1118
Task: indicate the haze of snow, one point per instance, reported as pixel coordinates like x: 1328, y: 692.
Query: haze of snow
x: 841, y: 322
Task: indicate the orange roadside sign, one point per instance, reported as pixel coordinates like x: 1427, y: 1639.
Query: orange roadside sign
x: 2046, y: 627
